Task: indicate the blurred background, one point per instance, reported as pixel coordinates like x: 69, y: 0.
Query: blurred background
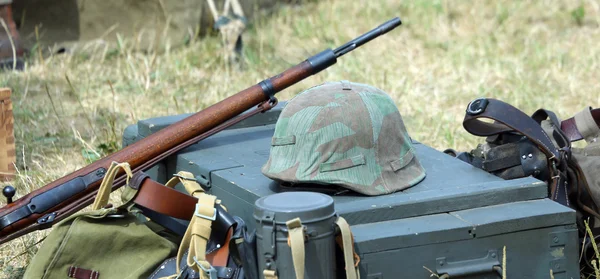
x: 90, y: 68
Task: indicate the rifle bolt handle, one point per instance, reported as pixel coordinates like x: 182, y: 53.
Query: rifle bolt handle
x: 9, y: 192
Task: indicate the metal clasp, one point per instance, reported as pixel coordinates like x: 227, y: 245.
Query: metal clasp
x: 212, y: 218
x: 555, y: 170
x: 211, y: 271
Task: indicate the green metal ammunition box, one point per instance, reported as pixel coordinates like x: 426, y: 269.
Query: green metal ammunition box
x: 457, y: 221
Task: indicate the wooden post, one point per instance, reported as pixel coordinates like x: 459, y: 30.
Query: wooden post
x: 7, y: 138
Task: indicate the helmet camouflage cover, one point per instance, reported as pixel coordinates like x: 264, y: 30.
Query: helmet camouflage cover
x: 343, y: 133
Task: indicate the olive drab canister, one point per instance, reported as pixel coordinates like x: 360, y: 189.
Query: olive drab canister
x: 278, y: 216
x: 344, y: 133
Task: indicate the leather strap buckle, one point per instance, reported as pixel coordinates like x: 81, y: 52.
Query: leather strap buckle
x: 211, y: 271
x: 211, y: 218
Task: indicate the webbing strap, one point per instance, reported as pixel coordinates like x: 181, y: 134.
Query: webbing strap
x: 107, y: 183
x: 296, y: 242
x: 198, y: 232
x: 189, y: 183
x: 351, y: 259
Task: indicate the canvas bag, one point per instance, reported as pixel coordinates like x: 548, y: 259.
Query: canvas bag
x: 586, y: 125
x: 107, y: 242
x: 588, y: 157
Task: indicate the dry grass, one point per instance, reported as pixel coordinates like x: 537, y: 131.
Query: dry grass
x: 71, y: 108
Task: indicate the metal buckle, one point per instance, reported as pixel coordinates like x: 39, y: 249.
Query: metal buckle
x: 557, y: 173
x: 186, y: 178
x: 211, y: 271
x: 212, y: 218
x: 181, y: 273
x: 477, y: 106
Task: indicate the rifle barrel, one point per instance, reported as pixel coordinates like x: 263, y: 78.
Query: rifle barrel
x: 380, y: 30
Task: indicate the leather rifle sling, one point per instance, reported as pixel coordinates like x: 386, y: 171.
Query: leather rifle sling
x: 510, y: 119
x: 162, y: 199
x: 569, y: 126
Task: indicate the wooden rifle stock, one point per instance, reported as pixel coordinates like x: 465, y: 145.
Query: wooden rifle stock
x: 57, y: 200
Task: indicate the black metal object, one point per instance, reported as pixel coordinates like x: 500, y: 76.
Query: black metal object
x: 48, y: 218
x: 9, y: 192
x: 51, y: 198
x: 328, y: 57
x: 322, y: 60
x: 380, y: 30
x: 267, y: 87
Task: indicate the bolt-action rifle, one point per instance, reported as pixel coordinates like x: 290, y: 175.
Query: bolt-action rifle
x: 47, y: 205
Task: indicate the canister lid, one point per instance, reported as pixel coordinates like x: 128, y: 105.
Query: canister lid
x: 308, y: 206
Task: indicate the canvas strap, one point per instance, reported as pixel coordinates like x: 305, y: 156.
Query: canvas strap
x: 351, y: 259
x: 107, y: 183
x: 296, y: 242
x: 198, y: 232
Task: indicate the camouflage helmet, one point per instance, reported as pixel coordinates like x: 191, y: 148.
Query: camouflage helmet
x: 343, y: 133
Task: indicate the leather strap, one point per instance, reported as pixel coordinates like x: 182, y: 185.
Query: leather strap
x: 82, y: 273
x: 510, y: 119
x: 196, y: 237
x: 581, y: 125
x: 220, y: 257
x: 164, y: 200
x: 507, y: 118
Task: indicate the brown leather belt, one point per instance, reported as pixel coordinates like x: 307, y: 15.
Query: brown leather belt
x: 569, y: 127
x: 162, y: 199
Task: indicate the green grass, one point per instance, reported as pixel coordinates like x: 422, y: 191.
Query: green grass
x: 70, y: 109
